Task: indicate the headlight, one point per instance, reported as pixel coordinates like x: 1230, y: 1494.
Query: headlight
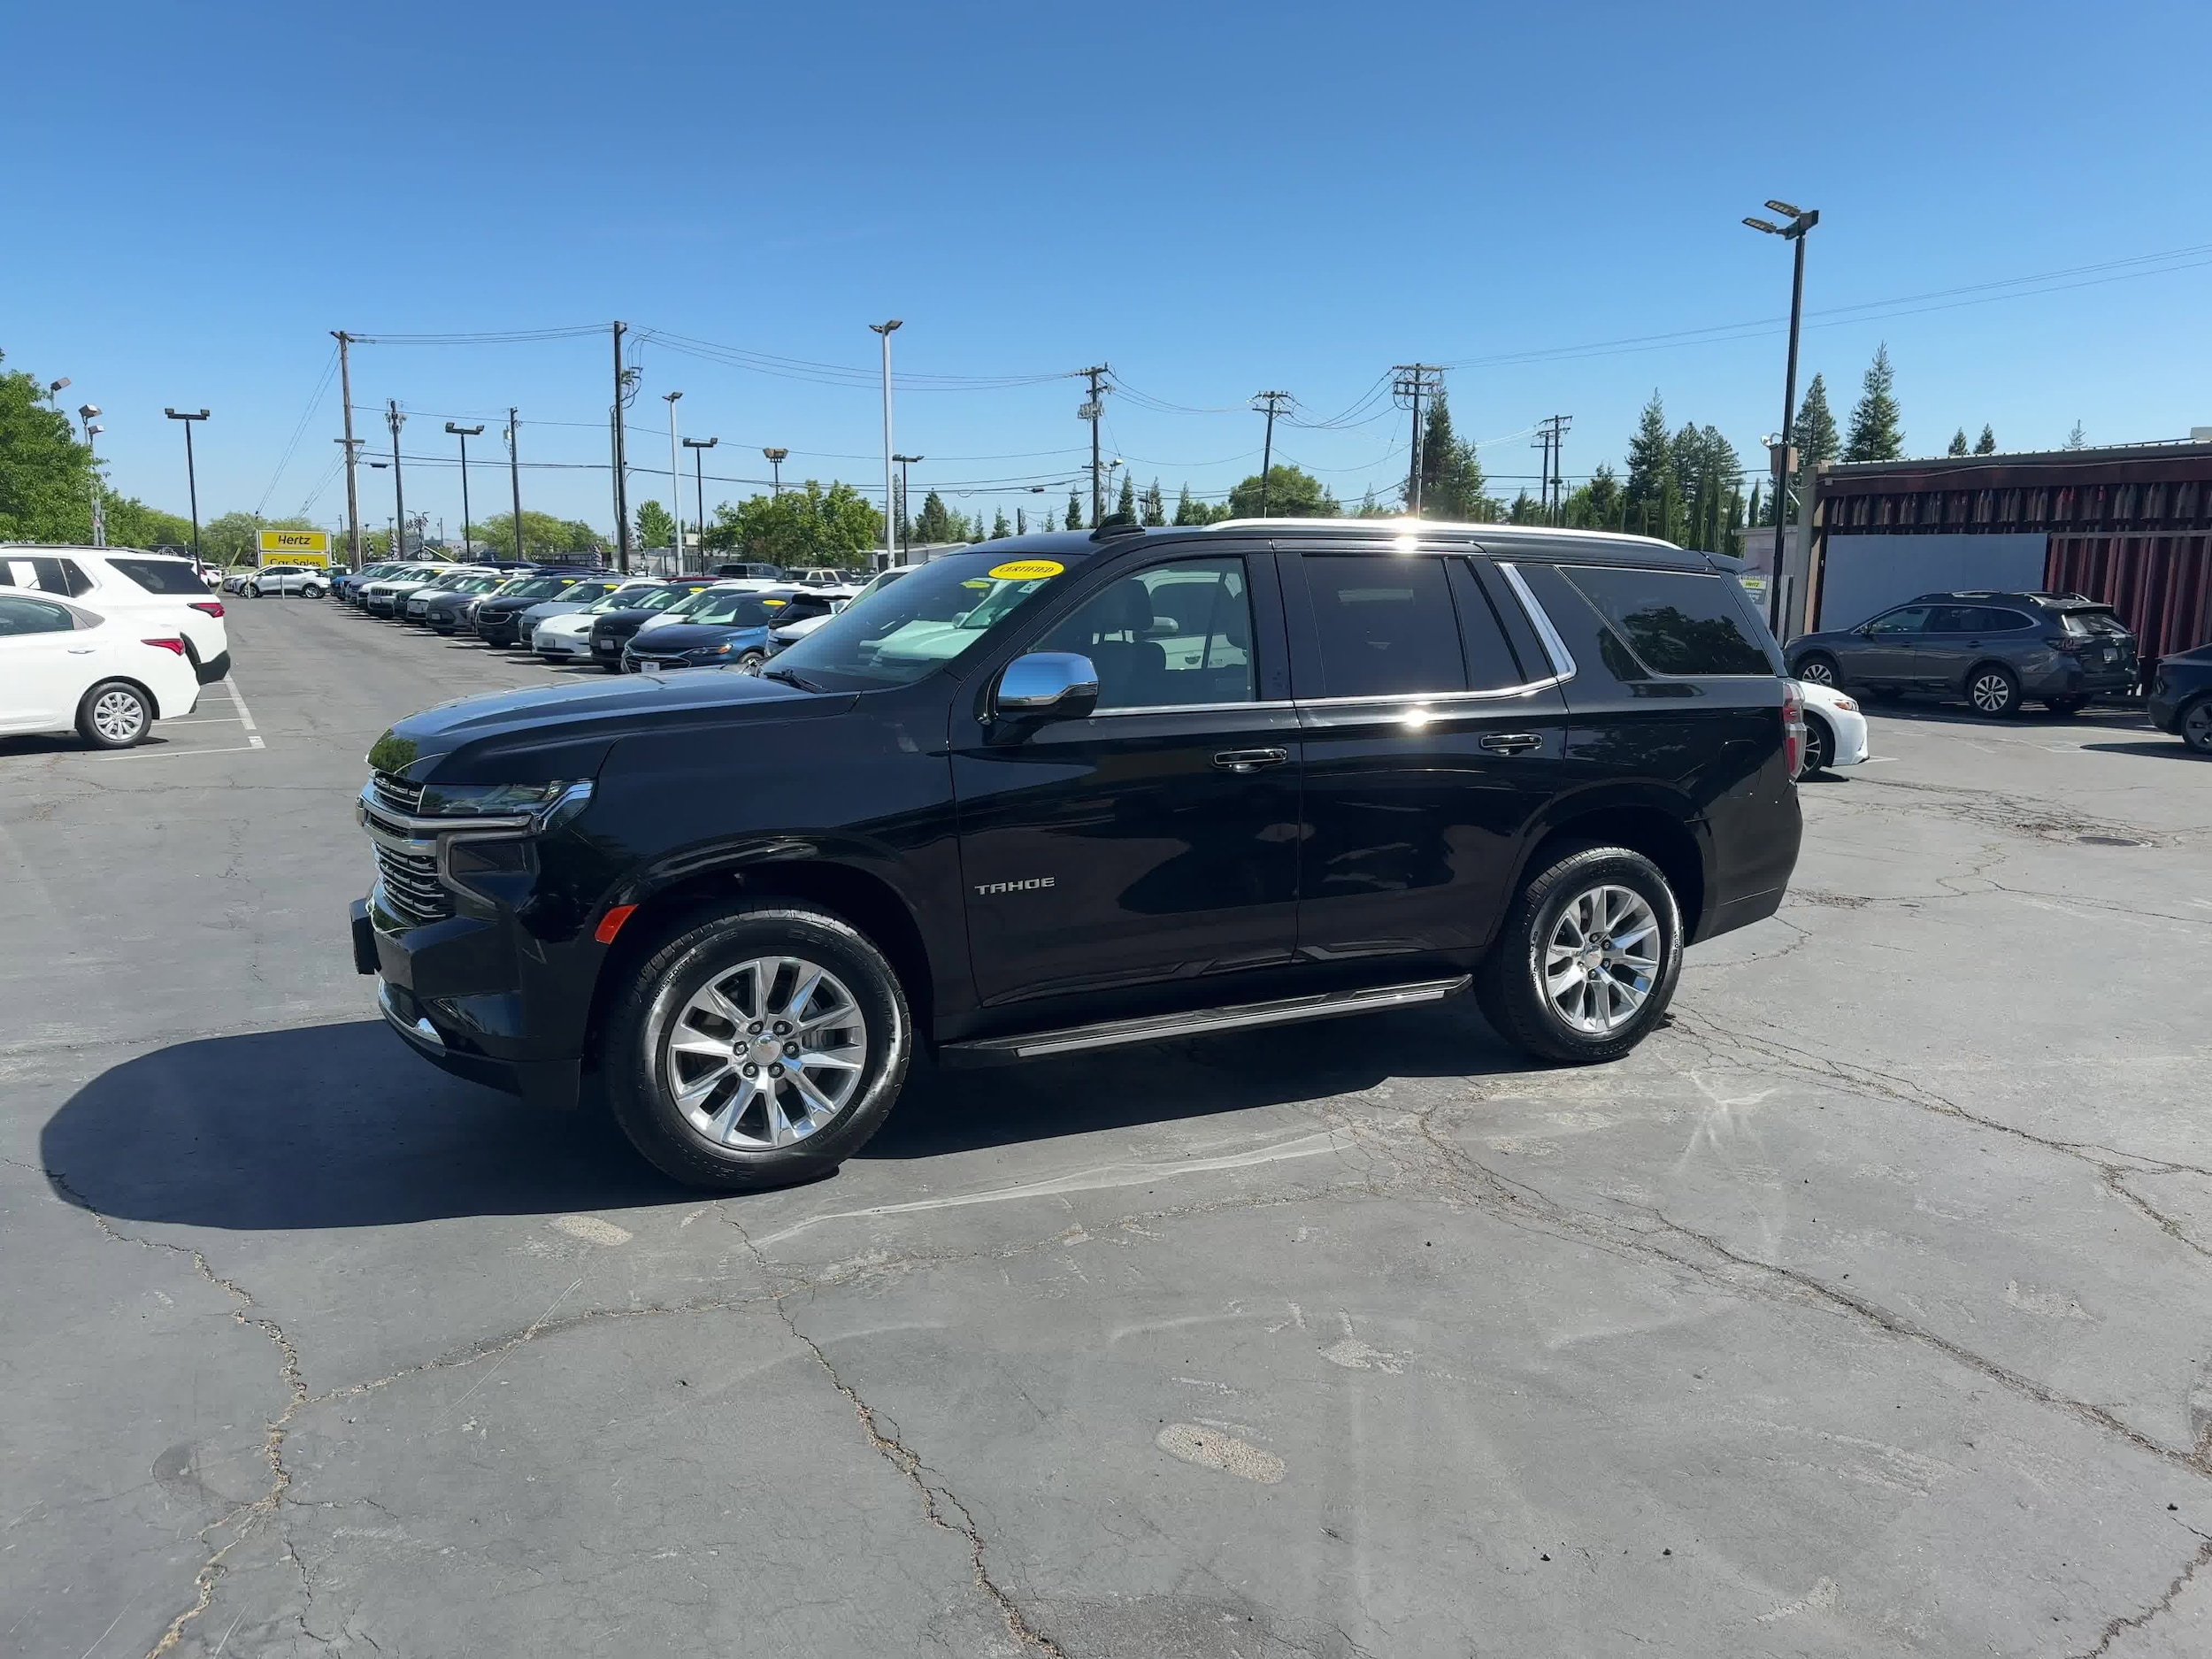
x: 712, y: 651
x: 502, y: 800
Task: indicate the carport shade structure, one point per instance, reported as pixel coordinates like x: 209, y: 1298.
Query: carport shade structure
x: 2129, y: 525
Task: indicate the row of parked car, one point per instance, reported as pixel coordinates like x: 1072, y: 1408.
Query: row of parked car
x: 735, y: 617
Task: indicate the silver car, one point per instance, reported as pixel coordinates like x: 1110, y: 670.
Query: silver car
x: 309, y: 579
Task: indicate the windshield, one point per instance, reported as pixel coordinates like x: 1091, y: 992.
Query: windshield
x: 668, y: 598
x: 738, y: 611
x: 540, y: 587
x: 482, y: 584
x: 581, y: 591
x: 928, y: 620
x: 623, y: 599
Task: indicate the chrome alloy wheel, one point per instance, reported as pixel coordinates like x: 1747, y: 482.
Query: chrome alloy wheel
x: 2196, y: 726
x: 765, y: 1053
x: 1601, y: 959
x: 119, y: 717
x: 1817, y: 672
x: 1992, y: 693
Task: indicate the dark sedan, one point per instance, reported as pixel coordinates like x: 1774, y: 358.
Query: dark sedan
x: 441, y: 608
x: 498, y: 619
x: 1995, y: 649
x: 2180, y: 699
x: 727, y: 629
x: 611, y: 630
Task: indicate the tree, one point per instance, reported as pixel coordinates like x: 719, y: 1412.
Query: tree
x: 1597, y: 504
x: 1126, y: 503
x: 1986, y: 444
x: 1876, y: 433
x: 1154, y: 505
x: 1075, y: 510
x: 46, y: 475
x: 132, y: 523
x: 1650, y: 462
x: 1814, y: 431
x: 654, y: 527
x: 1526, y: 510
x: 999, y: 528
x: 235, y: 537
x: 802, y: 527
x: 1292, y: 493
x: 1958, y: 443
x: 543, y: 535
x: 2077, y: 439
x: 1452, y: 484
x: 1369, y: 508
x: 936, y: 523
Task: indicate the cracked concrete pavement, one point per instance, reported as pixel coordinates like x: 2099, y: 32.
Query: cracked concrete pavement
x: 1865, y: 1310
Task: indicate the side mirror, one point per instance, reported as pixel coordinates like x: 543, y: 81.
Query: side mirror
x: 1047, y: 685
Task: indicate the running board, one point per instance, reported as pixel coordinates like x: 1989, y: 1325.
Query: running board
x: 1114, y: 1033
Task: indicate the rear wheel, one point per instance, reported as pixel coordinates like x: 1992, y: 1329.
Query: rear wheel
x: 114, y: 714
x: 759, y: 1047
x: 2196, y: 726
x: 1993, y: 690
x: 1819, y: 669
x: 1588, y: 958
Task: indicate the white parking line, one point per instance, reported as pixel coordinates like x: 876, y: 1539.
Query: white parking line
x: 245, y: 715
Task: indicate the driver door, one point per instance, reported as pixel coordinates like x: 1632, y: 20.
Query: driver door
x: 1890, y: 656
x: 1156, y: 839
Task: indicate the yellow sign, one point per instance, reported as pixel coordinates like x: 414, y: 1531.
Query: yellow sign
x: 1026, y: 570
x: 296, y: 544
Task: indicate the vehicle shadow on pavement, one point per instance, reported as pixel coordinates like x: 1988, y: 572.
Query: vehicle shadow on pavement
x: 2171, y: 747
x: 335, y: 1125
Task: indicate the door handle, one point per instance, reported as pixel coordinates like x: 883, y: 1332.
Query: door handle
x: 1511, y: 742
x: 82, y: 650
x: 1250, y: 759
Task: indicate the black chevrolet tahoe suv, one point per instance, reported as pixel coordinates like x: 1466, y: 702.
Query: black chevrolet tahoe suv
x: 1067, y: 792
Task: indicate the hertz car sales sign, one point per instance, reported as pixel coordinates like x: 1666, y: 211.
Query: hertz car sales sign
x: 296, y: 547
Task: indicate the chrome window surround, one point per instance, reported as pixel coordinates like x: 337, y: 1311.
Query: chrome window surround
x: 1562, y: 660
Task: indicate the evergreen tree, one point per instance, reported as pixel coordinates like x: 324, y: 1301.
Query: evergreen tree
x: 1814, y: 431
x: 1075, y: 509
x: 1292, y: 493
x: 2077, y: 439
x: 1154, y: 505
x: 1958, y: 443
x: 998, y: 526
x: 1126, y: 503
x: 1650, y: 462
x: 937, y: 523
x: 1597, y: 504
x: 1185, y: 509
x: 1986, y: 444
x: 1526, y: 510
x: 1876, y: 434
x: 1452, y: 484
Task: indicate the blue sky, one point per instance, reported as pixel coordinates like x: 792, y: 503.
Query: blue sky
x: 1214, y: 199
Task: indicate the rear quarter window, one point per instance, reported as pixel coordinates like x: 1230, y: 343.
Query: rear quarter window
x: 173, y: 576
x: 1676, y: 622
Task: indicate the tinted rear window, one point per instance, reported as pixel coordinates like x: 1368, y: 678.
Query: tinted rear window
x: 1388, y: 626
x: 162, y: 576
x: 1677, y: 623
x: 2096, y: 622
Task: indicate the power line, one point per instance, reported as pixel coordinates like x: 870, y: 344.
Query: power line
x: 314, y: 401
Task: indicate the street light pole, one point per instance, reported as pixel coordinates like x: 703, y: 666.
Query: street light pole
x: 699, y: 448
x: 514, y: 475
x: 88, y: 413
x: 775, y: 459
x: 886, y: 330
x: 464, y: 434
x: 191, y: 471
x: 905, y: 492
x: 675, y: 484
x: 1801, y: 220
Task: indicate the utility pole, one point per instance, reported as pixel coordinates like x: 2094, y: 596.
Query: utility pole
x: 514, y: 474
x: 399, y: 490
x: 905, y: 489
x: 1272, y: 402
x: 886, y: 330
x: 1092, y: 409
x: 1410, y: 383
x: 1551, y: 438
x: 353, y: 499
x: 464, y: 434
x: 621, y: 463
x: 699, y: 448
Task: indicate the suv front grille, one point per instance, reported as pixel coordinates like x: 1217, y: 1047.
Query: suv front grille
x: 396, y: 793
x: 411, y: 886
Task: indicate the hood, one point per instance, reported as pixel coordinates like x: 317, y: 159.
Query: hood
x: 689, y: 636
x: 543, y: 733
x: 545, y: 608
x: 510, y: 601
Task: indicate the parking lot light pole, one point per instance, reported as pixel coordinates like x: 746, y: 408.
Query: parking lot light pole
x: 675, y: 484
x: 1801, y: 220
x: 90, y: 413
x: 699, y: 448
x: 514, y: 475
x: 775, y: 459
x: 464, y: 434
x: 886, y: 330
x: 191, y: 472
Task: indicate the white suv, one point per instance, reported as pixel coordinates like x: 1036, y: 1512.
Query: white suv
x: 289, y: 579
x: 115, y: 581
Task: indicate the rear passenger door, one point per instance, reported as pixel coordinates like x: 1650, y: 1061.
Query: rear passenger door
x: 1433, y: 726
x: 1956, y: 638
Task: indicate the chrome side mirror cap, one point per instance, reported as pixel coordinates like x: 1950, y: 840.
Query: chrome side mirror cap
x: 1056, y: 685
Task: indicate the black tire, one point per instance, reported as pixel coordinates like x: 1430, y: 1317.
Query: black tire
x: 1993, y: 691
x: 310, y: 591
x: 114, y: 714
x: 1817, y: 668
x: 638, y: 1069
x: 751, y: 662
x: 1509, y: 984
x: 1820, y: 745
x: 2195, y: 724
x: 2066, y: 707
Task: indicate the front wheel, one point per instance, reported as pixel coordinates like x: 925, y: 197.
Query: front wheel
x: 312, y: 592
x: 1995, y: 691
x: 2196, y: 726
x: 1588, y: 958
x: 751, y: 662
x: 1819, y: 670
x: 760, y: 1047
x: 114, y: 714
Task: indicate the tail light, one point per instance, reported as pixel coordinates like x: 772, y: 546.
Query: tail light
x: 2069, y: 644
x: 1793, y: 728
x: 167, y: 645
x: 213, y: 607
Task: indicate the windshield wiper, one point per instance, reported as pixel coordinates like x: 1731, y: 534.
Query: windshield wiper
x: 790, y: 676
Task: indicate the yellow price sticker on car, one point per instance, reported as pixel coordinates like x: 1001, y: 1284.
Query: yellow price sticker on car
x: 1026, y: 570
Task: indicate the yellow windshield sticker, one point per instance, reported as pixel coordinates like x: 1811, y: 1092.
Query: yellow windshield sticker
x: 1026, y: 570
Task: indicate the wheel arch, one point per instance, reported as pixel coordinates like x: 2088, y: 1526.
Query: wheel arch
x: 1670, y: 837
x: 1981, y: 664
x: 153, y: 702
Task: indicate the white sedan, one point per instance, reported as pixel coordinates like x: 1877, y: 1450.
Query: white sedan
x: 109, y: 677
x: 1835, y: 730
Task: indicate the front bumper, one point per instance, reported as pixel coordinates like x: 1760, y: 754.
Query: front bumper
x: 561, y: 645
